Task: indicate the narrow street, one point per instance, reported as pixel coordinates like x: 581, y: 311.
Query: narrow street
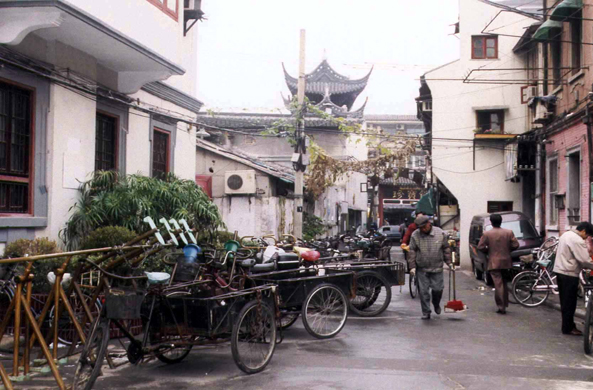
x: 476, y: 350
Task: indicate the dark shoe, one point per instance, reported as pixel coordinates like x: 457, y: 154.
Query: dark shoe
x: 574, y: 332
x: 500, y: 311
x: 437, y: 309
x: 426, y: 316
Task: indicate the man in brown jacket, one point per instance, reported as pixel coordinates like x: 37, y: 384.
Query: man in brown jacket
x: 498, y: 243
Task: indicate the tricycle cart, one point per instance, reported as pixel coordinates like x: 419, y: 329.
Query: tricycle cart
x: 321, y: 299
x: 373, y: 280
x: 174, y: 321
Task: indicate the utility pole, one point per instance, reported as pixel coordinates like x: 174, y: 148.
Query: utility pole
x: 300, y: 149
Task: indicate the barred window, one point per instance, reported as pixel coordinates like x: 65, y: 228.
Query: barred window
x: 15, y: 149
x: 160, y: 154
x: 105, y: 142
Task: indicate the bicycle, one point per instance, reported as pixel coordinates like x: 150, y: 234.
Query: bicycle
x: 532, y: 288
x: 247, y: 318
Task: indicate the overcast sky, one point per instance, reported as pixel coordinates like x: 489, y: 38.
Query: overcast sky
x: 243, y: 43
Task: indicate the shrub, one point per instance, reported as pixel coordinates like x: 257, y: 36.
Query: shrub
x: 312, y: 226
x: 38, y: 246
x: 216, y: 239
x: 108, y: 236
x: 112, y: 200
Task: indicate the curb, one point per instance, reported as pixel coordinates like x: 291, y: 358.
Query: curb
x: 579, y: 313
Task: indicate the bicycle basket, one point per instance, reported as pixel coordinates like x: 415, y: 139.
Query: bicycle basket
x: 123, y: 304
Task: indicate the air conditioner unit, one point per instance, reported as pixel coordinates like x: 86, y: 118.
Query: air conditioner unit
x: 192, y: 12
x: 239, y: 182
x: 542, y: 115
x: 192, y: 9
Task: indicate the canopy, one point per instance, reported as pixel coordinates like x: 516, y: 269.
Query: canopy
x: 549, y: 29
x: 567, y: 9
x: 426, y: 203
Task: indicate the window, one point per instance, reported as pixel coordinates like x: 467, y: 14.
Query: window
x: 15, y: 149
x: 427, y: 105
x: 574, y: 187
x: 556, y: 51
x: 484, y: 47
x: 553, y: 190
x: 160, y: 153
x: 106, y: 142
x: 490, y: 121
x: 523, y: 229
x: 417, y: 162
x: 170, y: 7
x: 576, y: 37
x: 497, y: 207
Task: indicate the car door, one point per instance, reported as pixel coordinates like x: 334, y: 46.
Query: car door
x: 479, y: 257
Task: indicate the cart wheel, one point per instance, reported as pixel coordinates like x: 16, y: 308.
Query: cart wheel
x: 254, y: 337
x: 66, y: 330
x: 373, y: 294
x: 92, y: 355
x: 413, y: 282
x: 325, y: 311
x: 588, y: 331
x: 174, y: 355
x: 288, y: 319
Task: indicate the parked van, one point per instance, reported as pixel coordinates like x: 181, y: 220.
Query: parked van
x: 516, y: 221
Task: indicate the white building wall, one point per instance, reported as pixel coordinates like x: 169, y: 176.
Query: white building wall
x: 70, y: 136
x: 256, y: 216
x: 454, y: 116
x: 138, y: 144
x: 141, y: 21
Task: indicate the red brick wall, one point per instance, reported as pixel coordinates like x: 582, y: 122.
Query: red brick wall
x: 563, y: 141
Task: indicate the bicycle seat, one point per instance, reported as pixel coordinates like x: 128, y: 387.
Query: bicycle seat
x: 157, y: 277
x: 267, y: 267
x: 288, y: 261
x: 247, y: 263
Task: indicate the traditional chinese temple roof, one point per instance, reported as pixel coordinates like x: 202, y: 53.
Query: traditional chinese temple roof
x: 325, y: 85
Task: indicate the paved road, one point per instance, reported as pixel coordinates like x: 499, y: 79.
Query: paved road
x: 478, y: 350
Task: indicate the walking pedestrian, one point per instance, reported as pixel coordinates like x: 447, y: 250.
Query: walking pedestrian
x: 571, y: 257
x: 403, y: 227
x: 498, y: 243
x: 411, y: 229
x: 429, y: 249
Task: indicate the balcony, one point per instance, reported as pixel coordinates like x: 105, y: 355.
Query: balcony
x: 122, y: 63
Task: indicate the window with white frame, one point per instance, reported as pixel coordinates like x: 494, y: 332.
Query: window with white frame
x: 552, y: 190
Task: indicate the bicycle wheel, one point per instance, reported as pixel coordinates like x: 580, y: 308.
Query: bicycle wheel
x: 530, y: 289
x: 254, y: 337
x: 325, y: 311
x: 6, y: 295
x: 288, y: 319
x: 92, y: 355
x: 373, y: 294
x: 588, y: 331
x: 66, y: 329
x: 413, y: 283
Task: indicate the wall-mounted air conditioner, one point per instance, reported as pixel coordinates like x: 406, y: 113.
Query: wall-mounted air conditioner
x: 239, y: 182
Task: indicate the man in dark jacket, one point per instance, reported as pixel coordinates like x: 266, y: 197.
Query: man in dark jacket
x: 429, y: 249
x: 498, y: 243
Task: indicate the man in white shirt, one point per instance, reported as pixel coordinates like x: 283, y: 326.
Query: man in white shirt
x: 571, y: 257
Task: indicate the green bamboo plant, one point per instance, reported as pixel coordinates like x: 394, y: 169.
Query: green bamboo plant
x: 108, y: 199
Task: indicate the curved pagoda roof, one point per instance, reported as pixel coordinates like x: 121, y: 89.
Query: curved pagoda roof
x: 323, y: 81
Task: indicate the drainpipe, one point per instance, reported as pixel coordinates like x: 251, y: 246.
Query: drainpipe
x: 545, y: 56
x: 587, y: 120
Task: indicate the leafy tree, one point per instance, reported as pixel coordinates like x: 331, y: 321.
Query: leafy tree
x: 108, y: 199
